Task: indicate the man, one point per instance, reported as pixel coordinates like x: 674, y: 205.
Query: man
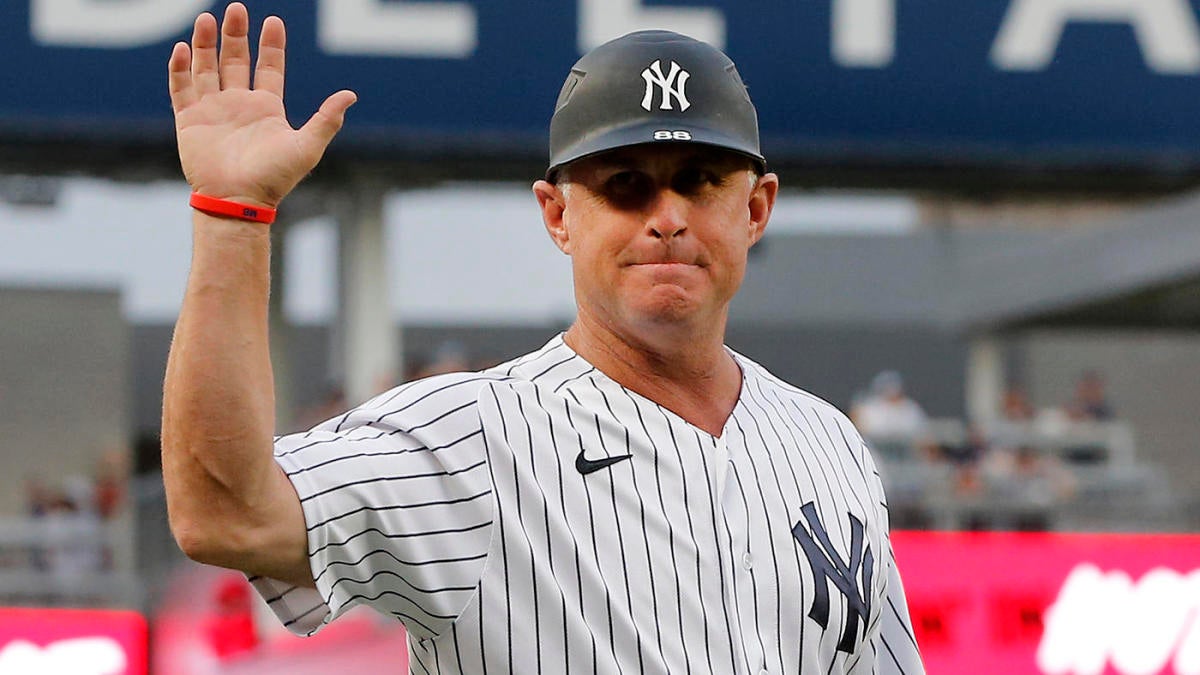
x: 632, y: 498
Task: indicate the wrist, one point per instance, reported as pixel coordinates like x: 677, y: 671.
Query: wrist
x: 235, y: 207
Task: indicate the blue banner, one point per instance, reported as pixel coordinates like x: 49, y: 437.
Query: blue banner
x: 1066, y: 82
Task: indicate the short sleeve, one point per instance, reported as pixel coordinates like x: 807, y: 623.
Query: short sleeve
x: 893, y: 646
x: 398, y: 505
x: 896, y: 649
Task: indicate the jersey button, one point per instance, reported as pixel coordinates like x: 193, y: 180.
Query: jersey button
x: 747, y: 561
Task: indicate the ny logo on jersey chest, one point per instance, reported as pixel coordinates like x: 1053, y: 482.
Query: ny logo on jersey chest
x: 829, y: 567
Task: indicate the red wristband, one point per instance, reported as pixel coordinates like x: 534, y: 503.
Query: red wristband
x: 224, y: 207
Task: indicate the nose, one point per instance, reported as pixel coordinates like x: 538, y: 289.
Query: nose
x: 668, y: 215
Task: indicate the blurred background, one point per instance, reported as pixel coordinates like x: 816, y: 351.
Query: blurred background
x: 986, y: 251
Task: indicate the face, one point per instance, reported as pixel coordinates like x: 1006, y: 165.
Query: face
x: 658, y: 235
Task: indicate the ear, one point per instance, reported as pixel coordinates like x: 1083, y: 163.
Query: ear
x: 553, y: 203
x: 762, y: 201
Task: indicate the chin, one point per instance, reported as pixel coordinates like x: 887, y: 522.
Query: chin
x: 666, y: 308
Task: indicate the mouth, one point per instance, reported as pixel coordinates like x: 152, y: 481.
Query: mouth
x: 667, y: 263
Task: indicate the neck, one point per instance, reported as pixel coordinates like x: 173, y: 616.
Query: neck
x: 691, y: 374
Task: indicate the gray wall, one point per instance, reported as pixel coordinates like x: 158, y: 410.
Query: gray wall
x: 64, y: 387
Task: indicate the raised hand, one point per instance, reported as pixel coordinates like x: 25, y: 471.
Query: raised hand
x: 235, y: 141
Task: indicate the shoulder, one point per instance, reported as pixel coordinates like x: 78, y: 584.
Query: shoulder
x: 418, y: 399
x: 552, y: 367
x: 761, y: 383
x: 829, y: 425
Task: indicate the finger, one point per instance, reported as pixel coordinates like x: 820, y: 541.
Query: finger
x: 268, y: 73
x: 204, y: 55
x: 179, y: 77
x: 320, y: 129
x: 235, y: 48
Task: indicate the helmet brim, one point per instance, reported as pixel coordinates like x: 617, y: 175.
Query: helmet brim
x: 643, y: 133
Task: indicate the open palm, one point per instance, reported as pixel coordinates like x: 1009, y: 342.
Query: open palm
x: 235, y: 142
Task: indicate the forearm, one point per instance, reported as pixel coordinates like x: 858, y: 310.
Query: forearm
x: 218, y: 397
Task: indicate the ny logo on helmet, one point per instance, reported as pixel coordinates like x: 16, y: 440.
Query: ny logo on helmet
x: 828, y: 567
x: 672, y: 85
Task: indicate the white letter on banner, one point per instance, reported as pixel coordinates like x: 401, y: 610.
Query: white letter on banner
x: 1187, y: 655
x: 114, y: 24
x: 603, y: 20
x: 410, y: 29
x: 1077, y: 625
x: 864, y: 33
x: 1154, y: 621
x: 1166, y: 31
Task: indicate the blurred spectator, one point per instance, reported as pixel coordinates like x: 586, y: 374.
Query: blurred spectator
x: 1030, y: 483
x: 38, y: 497
x: 892, y: 422
x: 74, y: 534
x: 1091, y: 401
x: 968, y: 451
x: 1088, y: 406
x: 108, y: 491
x: 1016, y: 406
x: 1018, y: 420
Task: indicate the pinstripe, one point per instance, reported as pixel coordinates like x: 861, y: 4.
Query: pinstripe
x: 361, y: 455
x: 392, y: 535
x: 507, y: 576
x: 546, y: 522
x: 645, y: 535
x: 595, y: 552
x: 692, y: 535
x: 907, y: 629
x: 783, y: 502
x: 787, y: 456
x: 392, y: 507
x: 595, y: 543
x: 620, y: 534
x: 537, y: 624
x: 503, y: 538
x: 454, y: 504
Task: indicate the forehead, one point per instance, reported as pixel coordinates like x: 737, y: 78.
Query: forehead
x: 663, y: 156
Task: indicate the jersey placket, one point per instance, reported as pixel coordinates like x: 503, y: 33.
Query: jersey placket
x: 733, y: 524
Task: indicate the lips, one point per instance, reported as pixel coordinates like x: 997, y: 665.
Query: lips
x: 664, y: 263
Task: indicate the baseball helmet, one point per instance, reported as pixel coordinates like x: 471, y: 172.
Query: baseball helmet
x: 652, y: 86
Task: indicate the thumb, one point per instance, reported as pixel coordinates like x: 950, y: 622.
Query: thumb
x: 320, y: 129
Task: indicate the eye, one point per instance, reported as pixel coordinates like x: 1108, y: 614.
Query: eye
x: 692, y: 180
x: 629, y: 189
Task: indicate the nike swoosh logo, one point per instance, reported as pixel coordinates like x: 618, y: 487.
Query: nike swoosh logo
x: 585, y: 466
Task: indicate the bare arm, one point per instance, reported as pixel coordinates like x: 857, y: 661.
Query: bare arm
x: 229, y: 503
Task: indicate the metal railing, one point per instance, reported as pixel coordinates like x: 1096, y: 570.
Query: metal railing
x: 1091, y: 481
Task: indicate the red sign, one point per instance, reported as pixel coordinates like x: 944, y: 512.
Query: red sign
x: 72, y: 642
x: 1053, y: 604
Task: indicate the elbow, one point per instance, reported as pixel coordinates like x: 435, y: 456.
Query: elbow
x: 204, y: 539
x: 197, y: 542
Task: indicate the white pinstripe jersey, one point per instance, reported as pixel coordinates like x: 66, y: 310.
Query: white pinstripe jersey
x: 538, y: 517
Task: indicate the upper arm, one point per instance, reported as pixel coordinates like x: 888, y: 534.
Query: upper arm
x: 286, y: 546
x: 894, y: 644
